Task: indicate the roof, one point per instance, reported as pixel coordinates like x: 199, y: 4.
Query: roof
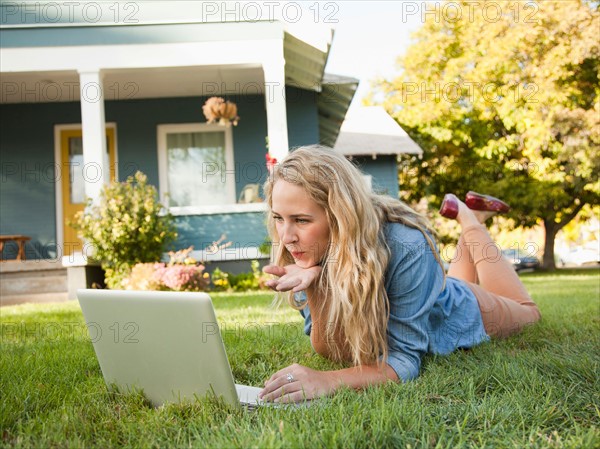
x: 305, y: 54
x: 305, y: 68
x: 332, y: 104
x: 370, y: 130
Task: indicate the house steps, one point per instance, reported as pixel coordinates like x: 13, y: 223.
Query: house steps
x: 32, y: 281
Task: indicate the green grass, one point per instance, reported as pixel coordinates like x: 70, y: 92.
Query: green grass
x: 537, y: 389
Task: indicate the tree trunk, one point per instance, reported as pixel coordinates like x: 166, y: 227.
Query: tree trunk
x: 551, y: 229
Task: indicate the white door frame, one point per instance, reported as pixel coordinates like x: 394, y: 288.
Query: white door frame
x: 58, y: 192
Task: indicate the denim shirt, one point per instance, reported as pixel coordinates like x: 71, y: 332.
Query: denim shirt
x: 423, y: 317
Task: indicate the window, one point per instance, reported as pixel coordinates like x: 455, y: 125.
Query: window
x: 195, y: 166
x: 76, y: 180
x: 76, y: 170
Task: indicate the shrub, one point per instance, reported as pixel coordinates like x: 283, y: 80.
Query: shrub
x: 144, y: 276
x: 127, y: 226
x: 251, y: 280
x: 188, y: 278
x: 220, y: 280
x: 181, y: 273
x: 265, y: 246
x: 243, y: 282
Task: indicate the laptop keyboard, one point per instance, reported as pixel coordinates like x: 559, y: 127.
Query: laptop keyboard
x: 250, y: 407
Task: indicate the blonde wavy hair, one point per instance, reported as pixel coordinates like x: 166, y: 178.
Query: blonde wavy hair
x: 357, y: 256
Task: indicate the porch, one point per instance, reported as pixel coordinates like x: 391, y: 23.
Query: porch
x: 38, y: 281
x: 72, y: 92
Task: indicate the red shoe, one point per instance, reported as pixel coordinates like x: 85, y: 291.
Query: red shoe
x: 476, y: 201
x: 449, y: 207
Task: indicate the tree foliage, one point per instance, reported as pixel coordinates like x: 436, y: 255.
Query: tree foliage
x: 508, y: 104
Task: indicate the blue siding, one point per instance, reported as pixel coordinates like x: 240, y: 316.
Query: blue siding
x: 138, y: 34
x: 27, y: 195
x: 243, y: 230
x: 137, y: 121
x: 81, y: 29
x: 302, y: 117
x: 384, y: 171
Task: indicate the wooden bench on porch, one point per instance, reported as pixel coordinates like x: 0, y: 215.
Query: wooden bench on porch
x: 20, y: 240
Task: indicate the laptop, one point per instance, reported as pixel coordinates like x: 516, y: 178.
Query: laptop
x: 166, y: 344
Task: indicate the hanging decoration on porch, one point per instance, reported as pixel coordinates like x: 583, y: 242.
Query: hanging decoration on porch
x: 216, y: 109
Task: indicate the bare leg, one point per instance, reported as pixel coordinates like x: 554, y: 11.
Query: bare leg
x: 462, y: 265
x: 494, y: 272
x: 503, y: 300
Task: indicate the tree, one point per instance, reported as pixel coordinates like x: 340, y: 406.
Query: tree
x: 506, y: 102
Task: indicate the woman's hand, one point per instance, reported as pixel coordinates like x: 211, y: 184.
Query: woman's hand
x: 291, y: 277
x: 298, y: 383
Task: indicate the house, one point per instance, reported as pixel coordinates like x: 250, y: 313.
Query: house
x: 84, y: 102
x: 373, y: 140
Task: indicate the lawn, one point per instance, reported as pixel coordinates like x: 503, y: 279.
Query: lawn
x: 538, y: 389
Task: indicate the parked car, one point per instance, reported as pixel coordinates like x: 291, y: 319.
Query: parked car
x: 580, y: 256
x: 521, y: 259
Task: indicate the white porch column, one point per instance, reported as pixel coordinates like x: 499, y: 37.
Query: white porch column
x: 96, y: 171
x: 276, y: 107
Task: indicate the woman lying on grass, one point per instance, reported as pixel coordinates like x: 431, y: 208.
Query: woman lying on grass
x: 365, y: 273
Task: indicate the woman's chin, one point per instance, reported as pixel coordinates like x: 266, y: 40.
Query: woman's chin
x: 304, y: 263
